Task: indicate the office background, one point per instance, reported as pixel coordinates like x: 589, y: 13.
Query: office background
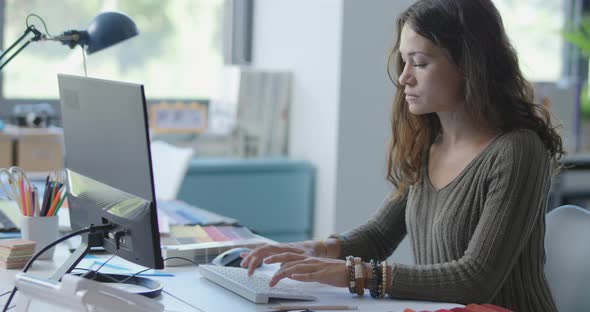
x: 336, y: 51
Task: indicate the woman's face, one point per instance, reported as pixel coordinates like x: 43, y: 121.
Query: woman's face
x: 431, y: 82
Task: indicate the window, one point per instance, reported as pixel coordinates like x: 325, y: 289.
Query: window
x: 178, y: 53
x: 534, y: 27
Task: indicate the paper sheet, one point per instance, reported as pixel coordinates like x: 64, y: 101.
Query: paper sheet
x: 169, y: 166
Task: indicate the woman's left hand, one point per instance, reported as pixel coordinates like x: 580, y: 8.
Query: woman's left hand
x: 309, y: 269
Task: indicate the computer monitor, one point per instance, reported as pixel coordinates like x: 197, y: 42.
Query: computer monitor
x: 108, y: 168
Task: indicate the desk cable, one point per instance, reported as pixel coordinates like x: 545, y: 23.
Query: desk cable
x: 130, y: 276
x: 91, y: 229
x: 91, y: 274
x: 4, y: 294
x: 177, y: 298
x: 139, y: 272
x: 7, y: 305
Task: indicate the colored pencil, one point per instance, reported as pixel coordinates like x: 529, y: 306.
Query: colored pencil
x: 53, y: 205
x: 22, y: 195
x: 63, y: 197
x: 19, y: 199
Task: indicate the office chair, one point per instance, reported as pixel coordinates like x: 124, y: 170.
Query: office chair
x: 567, y: 248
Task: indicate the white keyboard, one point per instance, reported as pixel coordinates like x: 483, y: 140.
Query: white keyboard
x: 254, y: 288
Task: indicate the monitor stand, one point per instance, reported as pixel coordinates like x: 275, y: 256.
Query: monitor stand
x: 75, y: 257
x: 152, y: 287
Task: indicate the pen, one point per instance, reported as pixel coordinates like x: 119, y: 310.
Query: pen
x: 37, y: 212
x: 45, y: 202
x: 53, y: 192
x: 313, y: 307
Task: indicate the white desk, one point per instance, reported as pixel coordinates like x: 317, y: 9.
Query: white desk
x: 187, y: 285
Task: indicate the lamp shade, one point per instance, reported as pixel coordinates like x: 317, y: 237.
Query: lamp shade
x: 107, y: 29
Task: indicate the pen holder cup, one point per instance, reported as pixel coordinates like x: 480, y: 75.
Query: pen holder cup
x: 42, y: 230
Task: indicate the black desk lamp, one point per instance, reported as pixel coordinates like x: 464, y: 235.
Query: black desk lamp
x: 105, y: 30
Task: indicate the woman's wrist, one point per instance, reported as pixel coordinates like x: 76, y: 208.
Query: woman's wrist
x: 322, y: 249
x: 318, y: 248
x: 328, y: 248
x: 332, y: 248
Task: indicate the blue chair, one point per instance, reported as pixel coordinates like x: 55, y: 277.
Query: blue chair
x: 568, y: 252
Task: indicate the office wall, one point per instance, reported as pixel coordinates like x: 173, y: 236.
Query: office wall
x: 339, y: 116
x: 365, y: 100
x: 304, y: 36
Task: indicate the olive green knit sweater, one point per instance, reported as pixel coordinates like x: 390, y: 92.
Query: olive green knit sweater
x: 480, y: 239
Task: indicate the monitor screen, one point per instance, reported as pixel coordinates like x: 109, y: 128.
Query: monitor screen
x: 108, y: 165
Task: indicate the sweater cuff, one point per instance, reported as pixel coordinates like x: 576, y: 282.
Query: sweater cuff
x: 395, y: 289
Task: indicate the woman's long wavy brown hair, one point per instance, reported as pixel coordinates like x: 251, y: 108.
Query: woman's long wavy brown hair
x: 495, y: 91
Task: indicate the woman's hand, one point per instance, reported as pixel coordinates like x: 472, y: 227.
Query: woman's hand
x: 307, y: 248
x: 304, y: 268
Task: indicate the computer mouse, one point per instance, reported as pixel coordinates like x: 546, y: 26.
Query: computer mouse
x: 230, y: 257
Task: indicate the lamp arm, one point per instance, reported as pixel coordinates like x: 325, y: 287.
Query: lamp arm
x: 37, y: 36
x: 27, y: 31
x: 72, y: 38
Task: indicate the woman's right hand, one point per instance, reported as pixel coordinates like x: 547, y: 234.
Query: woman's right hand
x: 253, y: 258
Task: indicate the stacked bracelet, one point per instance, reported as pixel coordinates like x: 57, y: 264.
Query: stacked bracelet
x: 351, y: 278
x: 376, y: 289
x: 359, y: 276
x: 357, y: 282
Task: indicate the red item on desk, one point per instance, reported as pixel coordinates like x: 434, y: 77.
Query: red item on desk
x: 477, y: 308
x: 470, y: 308
x: 496, y: 308
x: 485, y: 308
x: 440, y: 310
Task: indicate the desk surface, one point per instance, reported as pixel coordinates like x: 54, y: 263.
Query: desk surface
x: 188, y: 291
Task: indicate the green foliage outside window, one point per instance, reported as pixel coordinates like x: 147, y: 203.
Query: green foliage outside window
x: 580, y: 38
x: 176, y: 55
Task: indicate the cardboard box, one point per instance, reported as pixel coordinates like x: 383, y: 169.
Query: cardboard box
x: 6, y: 150
x: 40, y: 150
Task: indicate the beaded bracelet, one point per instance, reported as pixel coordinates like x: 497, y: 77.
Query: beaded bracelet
x: 384, y: 278
x: 359, y: 276
x: 351, y: 278
x: 376, y: 289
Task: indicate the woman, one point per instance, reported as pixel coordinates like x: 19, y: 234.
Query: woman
x: 470, y: 157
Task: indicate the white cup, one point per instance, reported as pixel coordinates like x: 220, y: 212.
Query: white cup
x: 42, y: 230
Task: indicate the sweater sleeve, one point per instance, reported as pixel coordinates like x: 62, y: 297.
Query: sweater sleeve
x: 515, y: 198
x: 380, y: 235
